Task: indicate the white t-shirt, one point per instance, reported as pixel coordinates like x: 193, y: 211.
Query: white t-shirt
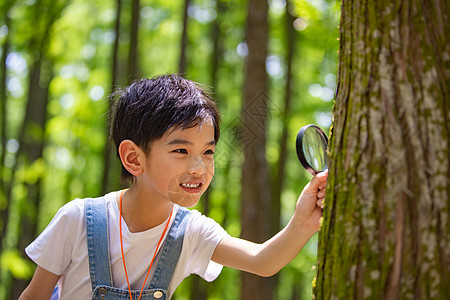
x: 61, y: 249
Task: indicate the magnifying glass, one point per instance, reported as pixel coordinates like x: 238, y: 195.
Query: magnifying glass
x: 312, y: 145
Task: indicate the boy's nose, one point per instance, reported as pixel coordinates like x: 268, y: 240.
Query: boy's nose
x: 197, y: 166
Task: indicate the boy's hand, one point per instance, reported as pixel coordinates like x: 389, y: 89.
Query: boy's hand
x: 310, y: 203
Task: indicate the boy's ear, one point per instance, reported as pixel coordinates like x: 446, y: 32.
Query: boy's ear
x: 130, y: 155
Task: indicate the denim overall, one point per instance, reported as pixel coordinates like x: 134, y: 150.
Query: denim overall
x: 99, y: 259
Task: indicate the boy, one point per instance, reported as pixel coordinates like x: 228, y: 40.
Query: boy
x: 142, y: 241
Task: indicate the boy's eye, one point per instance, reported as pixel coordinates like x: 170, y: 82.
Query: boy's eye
x: 181, y: 151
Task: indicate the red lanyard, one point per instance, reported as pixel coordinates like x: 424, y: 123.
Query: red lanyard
x: 121, y: 248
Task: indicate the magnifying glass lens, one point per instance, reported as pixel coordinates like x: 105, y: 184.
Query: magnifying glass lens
x: 315, y: 149
x: 312, y: 144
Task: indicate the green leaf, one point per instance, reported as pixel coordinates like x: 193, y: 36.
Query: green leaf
x: 19, y: 267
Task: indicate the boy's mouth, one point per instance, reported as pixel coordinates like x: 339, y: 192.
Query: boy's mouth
x: 192, y: 187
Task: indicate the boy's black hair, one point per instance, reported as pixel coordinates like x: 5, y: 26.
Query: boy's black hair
x: 149, y: 107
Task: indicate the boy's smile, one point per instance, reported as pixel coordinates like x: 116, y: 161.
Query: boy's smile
x: 192, y: 187
x: 180, y: 165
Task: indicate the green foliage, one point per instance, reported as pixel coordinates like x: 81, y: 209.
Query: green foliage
x: 19, y: 267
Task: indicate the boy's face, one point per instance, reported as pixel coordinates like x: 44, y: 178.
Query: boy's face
x: 180, y: 165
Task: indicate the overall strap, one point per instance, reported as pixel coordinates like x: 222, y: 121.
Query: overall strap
x: 97, y: 241
x: 170, y: 251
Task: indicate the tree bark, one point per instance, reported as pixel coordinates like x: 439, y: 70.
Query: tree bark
x: 255, y: 202
x: 3, y: 115
x: 280, y: 168
x: 32, y: 133
x: 199, y: 290
x: 33, y: 145
x: 386, y: 230
x: 133, y: 50
x: 115, y: 73
x: 184, y: 39
x: 216, y: 36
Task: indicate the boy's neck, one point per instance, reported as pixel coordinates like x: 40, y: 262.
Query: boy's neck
x: 141, y: 213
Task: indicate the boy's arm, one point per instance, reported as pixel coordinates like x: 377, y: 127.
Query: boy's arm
x: 41, y: 286
x: 268, y: 258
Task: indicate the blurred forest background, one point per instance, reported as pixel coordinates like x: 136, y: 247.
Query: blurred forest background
x: 61, y: 59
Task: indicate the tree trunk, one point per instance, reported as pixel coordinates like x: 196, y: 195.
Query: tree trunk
x: 199, y: 290
x: 296, y: 292
x: 184, y: 39
x: 133, y: 51
x: 3, y: 115
x: 32, y: 133
x: 280, y: 168
x: 386, y: 232
x: 255, y: 202
x: 115, y: 73
x: 216, y: 36
x: 33, y: 145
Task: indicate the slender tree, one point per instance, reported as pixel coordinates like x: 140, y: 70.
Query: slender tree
x: 3, y: 115
x: 255, y: 198
x: 278, y: 177
x: 279, y: 168
x: 216, y: 36
x: 4, y: 209
x: 386, y: 230
x: 32, y: 133
x: 114, y: 78
x: 133, y: 71
x: 199, y: 289
x: 184, y: 39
